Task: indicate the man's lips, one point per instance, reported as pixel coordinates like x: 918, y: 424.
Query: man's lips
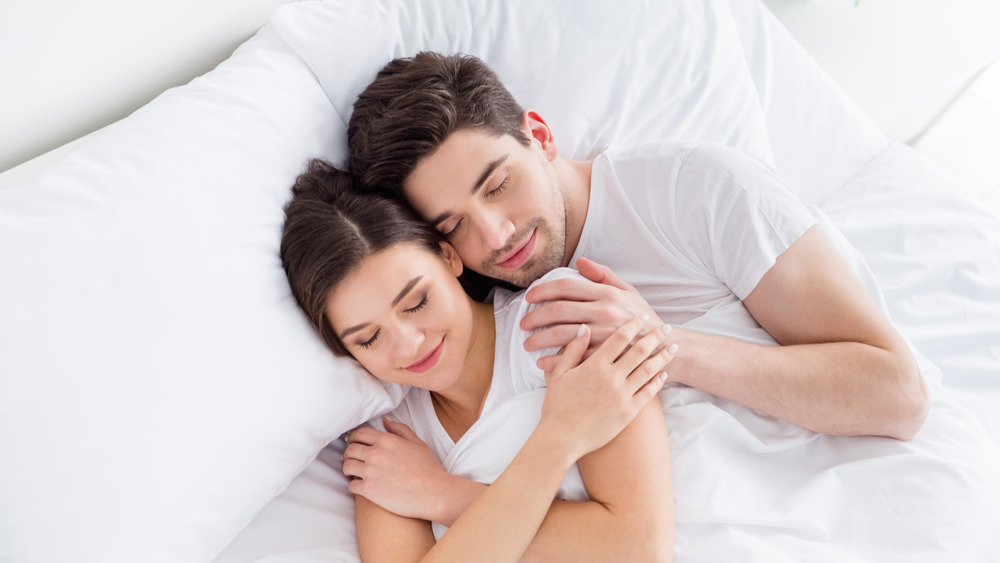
x: 520, y: 255
x: 428, y: 361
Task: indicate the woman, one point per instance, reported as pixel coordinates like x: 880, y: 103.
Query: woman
x: 380, y: 285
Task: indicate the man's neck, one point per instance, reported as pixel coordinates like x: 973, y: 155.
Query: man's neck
x: 574, y: 180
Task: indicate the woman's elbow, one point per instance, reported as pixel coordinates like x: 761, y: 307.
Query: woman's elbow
x: 658, y: 549
x: 655, y: 541
x: 913, y: 406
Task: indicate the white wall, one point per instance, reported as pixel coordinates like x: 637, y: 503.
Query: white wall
x: 900, y: 60
x: 57, y: 58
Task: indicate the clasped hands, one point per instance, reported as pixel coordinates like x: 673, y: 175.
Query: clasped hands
x: 604, y: 303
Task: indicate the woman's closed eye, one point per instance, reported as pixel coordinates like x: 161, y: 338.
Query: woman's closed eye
x: 371, y: 341
x: 418, y: 306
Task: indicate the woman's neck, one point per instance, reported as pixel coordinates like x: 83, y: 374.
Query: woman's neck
x: 459, y: 406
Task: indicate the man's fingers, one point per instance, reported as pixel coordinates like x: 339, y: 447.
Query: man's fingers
x: 552, y: 337
x: 562, y: 312
x: 564, y: 289
x: 601, y: 274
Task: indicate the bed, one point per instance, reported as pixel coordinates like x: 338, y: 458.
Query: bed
x: 162, y: 398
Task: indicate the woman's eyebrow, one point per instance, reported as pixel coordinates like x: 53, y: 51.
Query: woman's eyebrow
x: 406, y: 289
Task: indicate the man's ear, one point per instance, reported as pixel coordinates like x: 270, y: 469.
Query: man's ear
x: 537, y: 129
x: 452, y: 258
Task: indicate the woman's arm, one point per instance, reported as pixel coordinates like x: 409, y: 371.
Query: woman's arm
x: 630, y: 516
x: 585, y: 407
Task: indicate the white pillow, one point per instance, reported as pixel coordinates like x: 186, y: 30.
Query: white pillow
x: 158, y: 384
x: 600, y: 73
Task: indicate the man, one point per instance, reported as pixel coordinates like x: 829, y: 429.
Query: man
x: 697, y: 233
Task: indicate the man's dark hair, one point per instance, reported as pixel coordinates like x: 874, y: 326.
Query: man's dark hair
x: 414, y: 104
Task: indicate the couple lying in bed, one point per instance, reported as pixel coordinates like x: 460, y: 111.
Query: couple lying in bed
x: 660, y: 234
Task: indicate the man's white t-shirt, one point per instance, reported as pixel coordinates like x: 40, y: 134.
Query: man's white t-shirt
x: 693, y: 227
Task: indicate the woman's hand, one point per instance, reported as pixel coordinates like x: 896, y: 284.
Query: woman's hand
x: 396, y: 470
x: 590, y: 401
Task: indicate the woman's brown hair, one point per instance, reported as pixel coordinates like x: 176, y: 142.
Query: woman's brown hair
x: 330, y: 227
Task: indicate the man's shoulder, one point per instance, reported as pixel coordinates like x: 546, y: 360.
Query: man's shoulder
x: 691, y: 154
x: 673, y: 149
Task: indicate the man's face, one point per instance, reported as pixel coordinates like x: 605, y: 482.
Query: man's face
x: 498, y: 202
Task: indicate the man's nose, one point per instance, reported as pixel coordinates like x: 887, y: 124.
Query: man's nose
x: 494, y: 229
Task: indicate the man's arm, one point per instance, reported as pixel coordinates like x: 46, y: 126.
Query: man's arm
x: 842, y: 367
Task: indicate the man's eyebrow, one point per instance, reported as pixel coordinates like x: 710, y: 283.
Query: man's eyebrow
x: 406, y: 289
x: 475, y: 187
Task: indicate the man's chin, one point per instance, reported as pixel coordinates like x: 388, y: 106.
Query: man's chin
x: 519, y: 277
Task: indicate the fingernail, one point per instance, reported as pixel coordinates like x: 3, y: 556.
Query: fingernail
x: 663, y: 376
x: 580, y: 332
x: 665, y: 329
x: 672, y: 349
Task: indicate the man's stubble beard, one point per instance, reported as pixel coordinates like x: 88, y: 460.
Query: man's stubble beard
x: 547, y: 257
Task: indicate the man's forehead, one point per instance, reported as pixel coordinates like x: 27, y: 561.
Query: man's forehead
x: 456, y: 169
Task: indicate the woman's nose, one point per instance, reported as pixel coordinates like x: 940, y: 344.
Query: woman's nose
x: 408, y: 342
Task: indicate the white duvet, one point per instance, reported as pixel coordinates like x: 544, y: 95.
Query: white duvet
x: 749, y: 487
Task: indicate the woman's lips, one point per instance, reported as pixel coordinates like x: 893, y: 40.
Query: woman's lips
x: 521, y: 254
x: 428, y: 361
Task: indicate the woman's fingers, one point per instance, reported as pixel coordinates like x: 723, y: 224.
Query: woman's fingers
x: 354, y: 468
x: 642, y: 349
x: 572, y: 355
x: 620, y: 340
x: 400, y: 429
x: 355, y: 451
x: 653, y: 369
x: 648, y: 391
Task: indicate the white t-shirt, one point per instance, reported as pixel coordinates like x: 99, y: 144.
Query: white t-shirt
x: 693, y: 227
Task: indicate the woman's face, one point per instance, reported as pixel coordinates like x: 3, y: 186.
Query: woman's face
x: 403, y: 314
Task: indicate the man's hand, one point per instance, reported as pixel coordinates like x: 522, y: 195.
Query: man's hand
x: 395, y: 470
x: 604, y: 304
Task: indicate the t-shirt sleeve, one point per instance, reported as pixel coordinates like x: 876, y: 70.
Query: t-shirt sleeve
x: 734, y: 215
x: 525, y: 374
